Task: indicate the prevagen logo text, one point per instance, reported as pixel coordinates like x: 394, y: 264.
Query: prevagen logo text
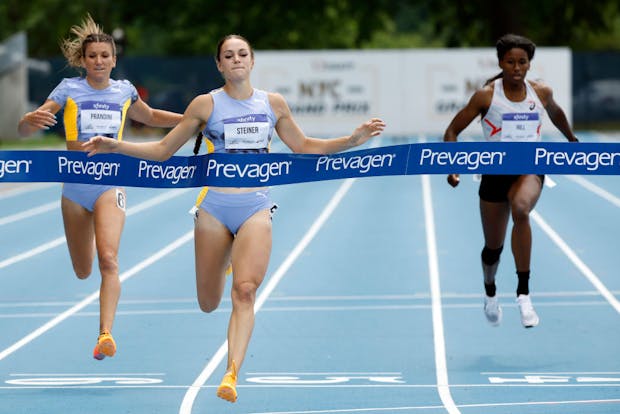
x: 361, y: 163
x: 95, y: 169
x: 472, y: 160
x: 14, y: 167
x: 263, y: 171
x: 591, y: 160
x: 166, y: 172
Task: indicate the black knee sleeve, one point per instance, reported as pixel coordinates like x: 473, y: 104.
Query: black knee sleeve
x: 491, y: 256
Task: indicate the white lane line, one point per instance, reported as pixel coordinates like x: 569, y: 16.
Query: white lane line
x: 436, y: 407
x: 60, y: 240
x: 441, y: 370
x: 95, y: 295
x: 340, y: 298
x: 21, y: 189
x: 43, y: 208
x: 574, y: 258
x: 593, y: 188
x: 220, y: 354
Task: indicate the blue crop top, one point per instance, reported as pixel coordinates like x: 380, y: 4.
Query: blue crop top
x: 240, y: 126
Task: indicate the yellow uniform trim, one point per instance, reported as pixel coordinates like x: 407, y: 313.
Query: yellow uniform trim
x: 70, y: 119
x: 123, y: 118
x: 210, y: 146
x: 203, y: 192
x: 201, y: 196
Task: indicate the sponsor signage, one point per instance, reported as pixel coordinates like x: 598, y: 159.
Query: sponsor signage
x: 252, y: 170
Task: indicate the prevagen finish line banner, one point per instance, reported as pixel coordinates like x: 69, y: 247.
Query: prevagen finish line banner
x: 256, y: 170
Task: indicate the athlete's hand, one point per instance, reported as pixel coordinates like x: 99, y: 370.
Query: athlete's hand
x: 453, y: 179
x: 367, y: 130
x: 40, y: 119
x: 100, y: 145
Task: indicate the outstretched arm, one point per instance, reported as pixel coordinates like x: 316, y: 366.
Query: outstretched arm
x: 291, y: 134
x: 41, y: 118
x: 140, y: 111
x: 478, y: 104
x: 558, y: 117
x: 196, y: 114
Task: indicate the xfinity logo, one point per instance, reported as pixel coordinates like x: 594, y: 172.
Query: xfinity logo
x: 249, y: 118
x: 99, y: 105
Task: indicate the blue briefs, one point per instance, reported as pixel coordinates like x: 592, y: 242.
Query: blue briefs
x: 232, y: 210
x: 87, y: 194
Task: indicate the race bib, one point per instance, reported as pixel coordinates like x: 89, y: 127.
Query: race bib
x: 246, y: 132
x: 100, y: 118
x: 520, y: 126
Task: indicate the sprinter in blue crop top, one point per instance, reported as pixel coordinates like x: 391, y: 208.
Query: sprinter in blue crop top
x: 233, y: 224
x: 94, y: 215
x: 511, y: 108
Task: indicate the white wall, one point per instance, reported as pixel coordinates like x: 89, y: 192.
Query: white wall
x: 414, y: 91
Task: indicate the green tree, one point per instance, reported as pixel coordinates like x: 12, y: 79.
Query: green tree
x: 193, y: 27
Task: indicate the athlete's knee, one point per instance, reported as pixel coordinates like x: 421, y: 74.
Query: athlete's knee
x: 108, y: 263
x: 244, y: 292
x: 82, y: 272
x: 520, y: 210
x: 208, y: 303
x: 491, y: 256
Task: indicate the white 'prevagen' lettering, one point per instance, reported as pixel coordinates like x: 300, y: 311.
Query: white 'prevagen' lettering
x: 472, y: 160
x: 14, y: 167
x: 166, y: 172
x: 591, y: 160
x: 262, y: 171
x: 96, y: 169
x: 361, y: 163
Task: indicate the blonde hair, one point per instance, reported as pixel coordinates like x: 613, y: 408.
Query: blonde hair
x: 88, y: 32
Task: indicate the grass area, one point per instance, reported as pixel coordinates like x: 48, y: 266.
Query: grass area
x: 34, y: 142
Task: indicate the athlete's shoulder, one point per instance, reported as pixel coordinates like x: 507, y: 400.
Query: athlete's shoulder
x: 75, y: 82
x: 542, y: 89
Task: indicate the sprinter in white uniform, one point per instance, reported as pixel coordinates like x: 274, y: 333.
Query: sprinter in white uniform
x: 238, y: 118
x: 94, y: 215
x: 511, y: 108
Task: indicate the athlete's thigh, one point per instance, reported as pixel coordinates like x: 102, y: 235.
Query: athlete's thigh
x: 109, y: 214
x: 80, y: 234
x: 252, y: 248
x: 212, y: 242
x: 494, y: 217
x: 525, y: 192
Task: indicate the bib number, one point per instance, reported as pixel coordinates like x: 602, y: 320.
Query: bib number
x: 520, y: 126
x: 246, y: 132
x: 100, y: 118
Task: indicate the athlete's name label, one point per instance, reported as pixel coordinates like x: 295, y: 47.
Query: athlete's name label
x: 100, y: 117
x: 249, y: 132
